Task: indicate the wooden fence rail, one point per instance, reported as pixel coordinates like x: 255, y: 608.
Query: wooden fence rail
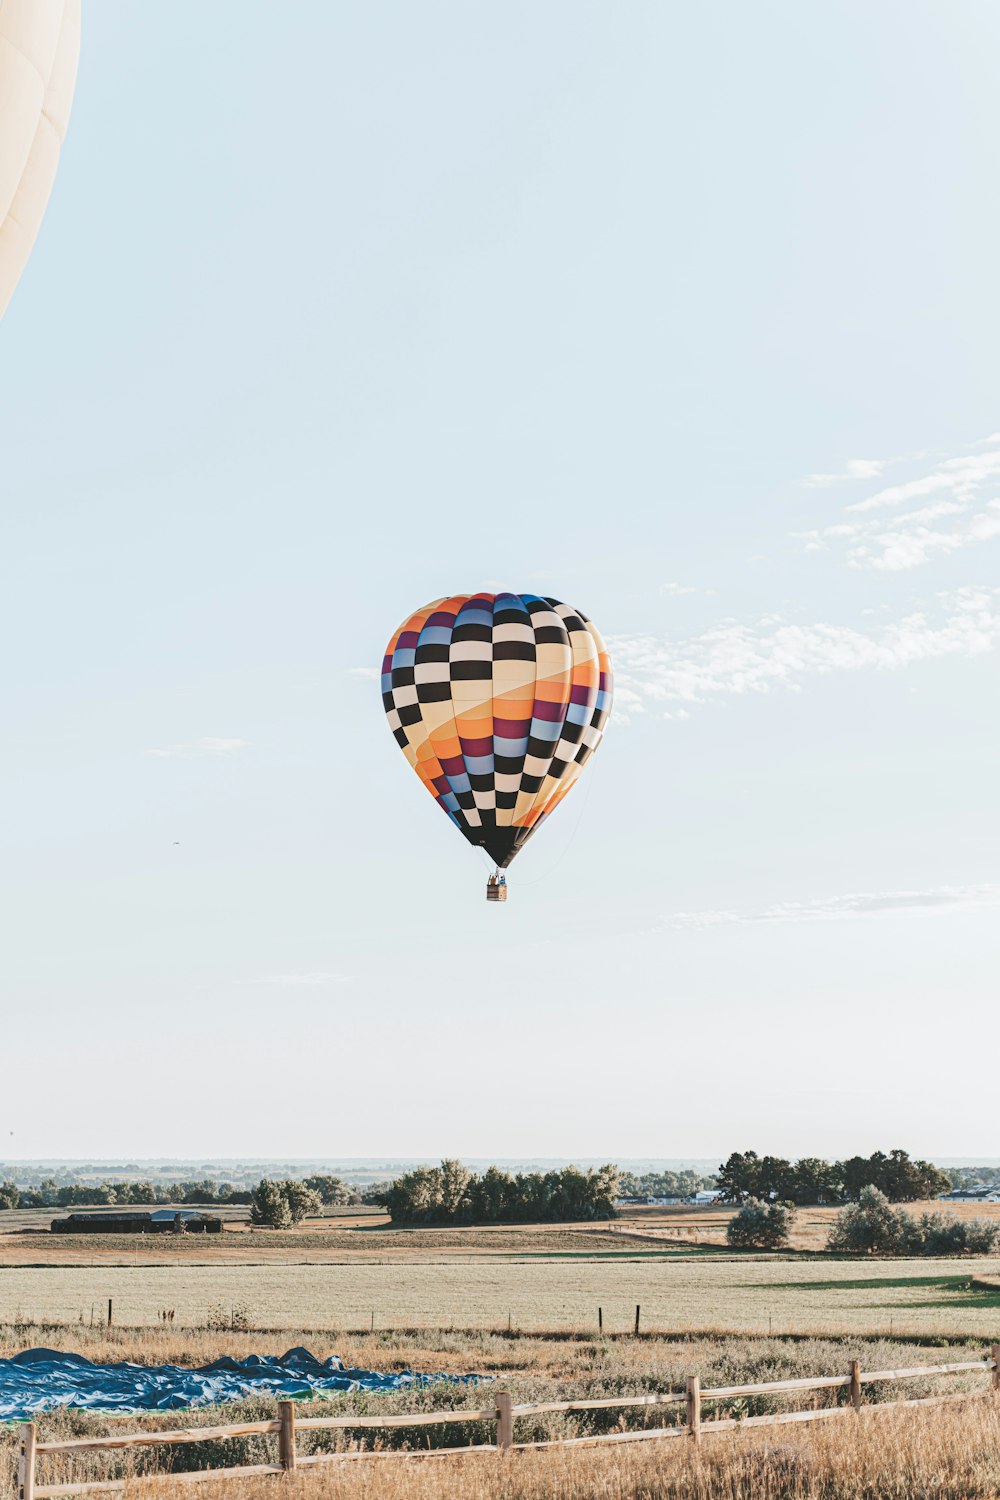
x: 502, y: 1415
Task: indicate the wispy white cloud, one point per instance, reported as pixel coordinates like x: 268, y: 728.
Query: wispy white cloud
x: 672, y: 676
x: 954, y: 508
x: 303, y: 981
x: 962, y: 477
x: 854, y: 469
x: 943, y: 898
x: 368, y: 674
x: 195, y: 749
x: 675, y: 590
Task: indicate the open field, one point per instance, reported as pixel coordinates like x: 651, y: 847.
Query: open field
x: 677, y: 1294
x: 707, y: 1226
x: 945, y: 1453
x: 442, y: 1299
x: 307, y: 1243
x: 365, y: 1235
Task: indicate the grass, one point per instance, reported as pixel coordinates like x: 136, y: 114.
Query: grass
x: 537, y: 1369
x: 367, y: 1235
x: 442, y: 1300
x: 707, y: 1226
x: 947, y: 1454
x: 31, y: 1245
x: 681, y: 1295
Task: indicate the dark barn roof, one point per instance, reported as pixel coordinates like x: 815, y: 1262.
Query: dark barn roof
x: 137, y: 1221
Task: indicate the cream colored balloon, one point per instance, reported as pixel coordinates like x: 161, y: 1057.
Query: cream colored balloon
x: 39, y: 50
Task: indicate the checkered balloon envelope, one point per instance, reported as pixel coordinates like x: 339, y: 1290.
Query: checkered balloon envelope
x: 497, y: 701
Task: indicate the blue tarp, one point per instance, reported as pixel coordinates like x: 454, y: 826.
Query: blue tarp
x: 43, y: 1379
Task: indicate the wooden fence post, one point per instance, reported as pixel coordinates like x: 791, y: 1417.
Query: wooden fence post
x: 286, y: 1437
x: 637, y: 1320
x: 26, y: 1463
x: 995, y: 1357
x: 505, y: 1421
x: 694, y: 1408
x: 109, y: 1312
x: 855, y: 1386
x: 600, y: 1320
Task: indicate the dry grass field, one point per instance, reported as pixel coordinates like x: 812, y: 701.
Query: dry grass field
x: 942, y: 1452
x: 947, y: 1454
x: 321, y: 1246
x: 365, y: 1234
x: 441, y: 1301
x: 707, y: 1226
x: 679, y: 1294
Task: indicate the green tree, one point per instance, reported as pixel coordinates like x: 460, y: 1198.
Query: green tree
x: 739, y: 1178
x: 415, y: 1197
x: 814, y: 1181
x: 451, y: 1194
x: 455, y: 1181
x: 746, y: 1175
x: 301, y: 1200
x: 663, y: 1184
x: 196, y: 1192
x: 269, y: 1207
x: 900, y: 1178
x: 140, y: 1192
x: 47, y: 1193
x: 760, y: 1226
x: 907, y: 1181
x: 491, y: 1197
x: 330, y: 1189
x: 870, y: 1226
x: 605, y: 1188
x: 10, y: 1195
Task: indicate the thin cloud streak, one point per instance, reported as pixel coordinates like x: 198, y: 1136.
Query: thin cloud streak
x: 196, y: 749
x: 855, y: 469
x: 944, y: 898
x: 303, y: 981
x: 732, y: 659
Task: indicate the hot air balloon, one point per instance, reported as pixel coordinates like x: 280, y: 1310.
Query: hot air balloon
x: 39, y: 50
x: 497, y: 701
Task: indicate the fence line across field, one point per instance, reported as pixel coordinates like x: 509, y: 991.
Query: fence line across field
x: 503, y: 1415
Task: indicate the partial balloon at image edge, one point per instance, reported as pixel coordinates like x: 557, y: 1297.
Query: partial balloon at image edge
x: 35, y: 48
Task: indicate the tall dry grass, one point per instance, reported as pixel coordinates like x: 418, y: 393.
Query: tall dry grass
x: 533, y: 1369
x: 947, y: 1453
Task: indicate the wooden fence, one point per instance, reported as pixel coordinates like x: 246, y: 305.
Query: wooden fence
x: 503, y: 1415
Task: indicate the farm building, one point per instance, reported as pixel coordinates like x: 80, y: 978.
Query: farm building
x: 137, y: 1221
x: 658, y: 1202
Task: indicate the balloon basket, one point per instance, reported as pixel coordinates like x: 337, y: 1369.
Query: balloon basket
x: 495, y: 891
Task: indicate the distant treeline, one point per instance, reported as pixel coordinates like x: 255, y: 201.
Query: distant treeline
x: 972, y: 1177
x: 810, y: 1180
x: 451, y: 1194
x: 663, y: 1184
x: 50, y: 1194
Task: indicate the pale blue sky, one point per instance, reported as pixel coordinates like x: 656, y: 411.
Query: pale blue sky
x: 341, y: 307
